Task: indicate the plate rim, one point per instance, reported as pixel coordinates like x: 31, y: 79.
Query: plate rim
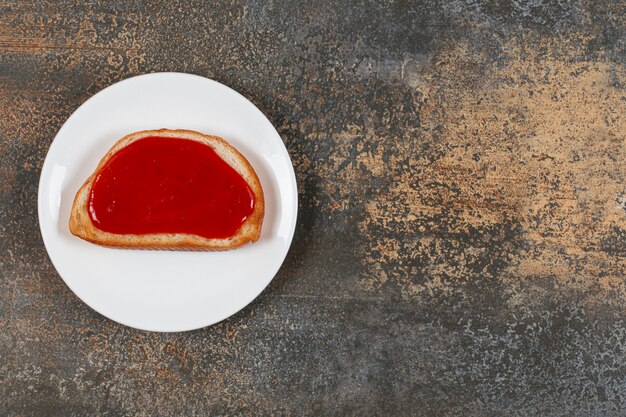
x: 294, y: 202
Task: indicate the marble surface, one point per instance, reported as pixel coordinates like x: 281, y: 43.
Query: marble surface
x: 461, y: 242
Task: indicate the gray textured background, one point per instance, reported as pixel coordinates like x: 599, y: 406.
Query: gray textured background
x: 461, y: 244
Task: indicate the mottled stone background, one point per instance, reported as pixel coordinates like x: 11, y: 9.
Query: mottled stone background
x: 461, y: 243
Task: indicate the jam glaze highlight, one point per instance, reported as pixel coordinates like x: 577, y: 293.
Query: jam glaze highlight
x: 169, y: 185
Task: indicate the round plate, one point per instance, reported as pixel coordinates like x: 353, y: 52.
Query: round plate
x: 161, y: 290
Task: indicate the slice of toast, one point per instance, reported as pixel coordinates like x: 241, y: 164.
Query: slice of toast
x: 81, y: 225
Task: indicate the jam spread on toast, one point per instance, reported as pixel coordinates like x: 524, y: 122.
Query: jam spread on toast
x: 169, y: 185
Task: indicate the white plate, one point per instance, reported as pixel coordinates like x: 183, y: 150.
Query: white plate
x: 160, y: 290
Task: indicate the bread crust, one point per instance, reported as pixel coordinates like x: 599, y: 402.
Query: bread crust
x: 80, y: 223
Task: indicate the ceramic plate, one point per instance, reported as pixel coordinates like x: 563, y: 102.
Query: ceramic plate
x: 161, y: 290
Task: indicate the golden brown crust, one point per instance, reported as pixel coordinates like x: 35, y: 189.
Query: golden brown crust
x: 81, y: 225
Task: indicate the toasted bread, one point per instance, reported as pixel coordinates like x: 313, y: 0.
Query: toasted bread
x: 81, y: 225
